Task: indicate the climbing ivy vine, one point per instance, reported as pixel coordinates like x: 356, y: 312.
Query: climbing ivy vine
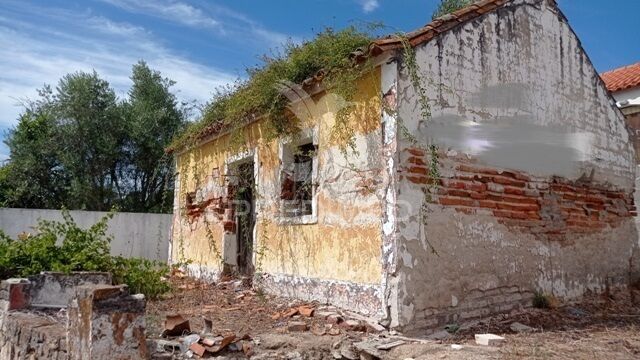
x: 417, y: 82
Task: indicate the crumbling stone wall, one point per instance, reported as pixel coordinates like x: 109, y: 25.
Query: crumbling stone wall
x: 105, y: 322
x: 100, y: 321
x: 56, y: 289
x: 32, y: 336
x: 536, y: 173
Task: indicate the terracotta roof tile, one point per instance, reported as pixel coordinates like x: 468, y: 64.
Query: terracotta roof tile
x: 437, y: 26
x: 623, y: 78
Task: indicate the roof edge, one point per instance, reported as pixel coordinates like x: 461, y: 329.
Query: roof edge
x: 437, y: 26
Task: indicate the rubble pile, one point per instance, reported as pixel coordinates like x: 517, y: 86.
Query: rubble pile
x: 229, y: 319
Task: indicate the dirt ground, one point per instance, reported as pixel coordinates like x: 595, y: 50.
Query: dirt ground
x: 268, y: 327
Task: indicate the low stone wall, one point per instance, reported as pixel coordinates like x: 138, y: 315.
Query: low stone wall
x: 99, y: 321
x: 105, y: 322
x: 32, y: 336
x: 54, y: 289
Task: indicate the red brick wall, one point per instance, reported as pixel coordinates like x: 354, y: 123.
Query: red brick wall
x: 551, y: 206
x: 215, y: 203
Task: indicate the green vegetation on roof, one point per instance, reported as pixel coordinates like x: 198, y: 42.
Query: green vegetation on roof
x: 259, y: 94
x: 449, y: 6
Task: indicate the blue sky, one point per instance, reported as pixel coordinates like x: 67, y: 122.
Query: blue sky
x: 203, y: 44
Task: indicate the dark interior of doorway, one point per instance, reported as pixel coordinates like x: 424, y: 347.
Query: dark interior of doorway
x: 245, y: 217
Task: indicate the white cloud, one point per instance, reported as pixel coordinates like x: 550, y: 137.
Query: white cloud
x: 36, y: 54
x: 107, y: 26
x: 369, y: 5
x: 206, y: 16
x: 173, y: 11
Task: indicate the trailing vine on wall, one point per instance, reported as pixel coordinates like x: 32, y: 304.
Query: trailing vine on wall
x: 329, y: 58
x: 412, y: 68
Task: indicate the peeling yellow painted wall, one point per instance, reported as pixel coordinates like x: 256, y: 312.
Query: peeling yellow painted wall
x: 345, y: 242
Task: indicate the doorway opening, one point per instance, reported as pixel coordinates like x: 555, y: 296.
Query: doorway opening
x: 244, y: 211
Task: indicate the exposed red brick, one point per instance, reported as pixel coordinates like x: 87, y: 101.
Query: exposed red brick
x: 418, y: 179
x: 416, y: 160
x: 519, y: 215
x: 596, y: 206
x: 615, y: 195
x: 478, y: 195
x: 533, y: 215
x: 487, y: 204
x: 456, y: 192
x: 415, y: 151
x: 475, y: 186
x: 472, y: 169
x: 519, y: 207
x: 562, y: 188
x: 456, y: 201
x: 454, y: 184
x: 502, y: 213
x: 508, y: 181
x: 585, y: 224
x: 570, y: 196
x: 595, y: 199
x: 521, y: 176
x: 571, y: 210
x: 483, y: 178
x: 518, y: 201
x: 418, y: 170
x: 465, y: 177
x: 513, y: 190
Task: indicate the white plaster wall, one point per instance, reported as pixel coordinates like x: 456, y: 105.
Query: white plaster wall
x: 630, y: 97
x: 512, y: 89
x: 134, y: 234
x: 518, y: 92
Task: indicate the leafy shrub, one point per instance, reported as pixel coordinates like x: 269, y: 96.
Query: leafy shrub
x: 141, y: 275
x: 64, y: 246
x: 5, y: 260
x: 82, y: 249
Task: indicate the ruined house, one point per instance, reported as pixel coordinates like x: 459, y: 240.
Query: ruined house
x: 624, y: 84
x: 519, y: 181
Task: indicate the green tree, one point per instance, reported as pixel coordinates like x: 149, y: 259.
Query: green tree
x: 82, y: 148
x: 34, y: 178
x: 154, y: 117
x: 449, y: 6
x: 92, y: 132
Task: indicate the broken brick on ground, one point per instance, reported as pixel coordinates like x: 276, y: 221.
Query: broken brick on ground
x: 597, y: 322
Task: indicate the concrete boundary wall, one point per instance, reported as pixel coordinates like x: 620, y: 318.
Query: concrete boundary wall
x: 134, y: 234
